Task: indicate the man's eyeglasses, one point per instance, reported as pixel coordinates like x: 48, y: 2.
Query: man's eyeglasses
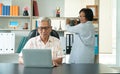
x: 45, y: 28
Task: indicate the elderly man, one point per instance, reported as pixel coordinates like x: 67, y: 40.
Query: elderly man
x: 44, y: 40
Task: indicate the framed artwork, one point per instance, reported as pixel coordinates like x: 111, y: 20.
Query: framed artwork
x: 94, y: 9
x: 13, y: 24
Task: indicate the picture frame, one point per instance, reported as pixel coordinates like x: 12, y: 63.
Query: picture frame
x: 13, y: 24
x: 94, y: 9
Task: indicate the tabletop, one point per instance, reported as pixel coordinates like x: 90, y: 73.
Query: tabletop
x: 15, y: 68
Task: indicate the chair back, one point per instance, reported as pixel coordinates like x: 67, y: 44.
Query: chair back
x: 34, y: 33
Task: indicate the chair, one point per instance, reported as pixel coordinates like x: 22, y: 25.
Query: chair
x: 33, y: 33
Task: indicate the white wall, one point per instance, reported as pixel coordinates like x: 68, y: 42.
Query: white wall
x: 48, y: 7
x: 68, y: 8
x: 6, y: 2
x: 72, y: 7
x: 118, y: 34
x: 105, y: 26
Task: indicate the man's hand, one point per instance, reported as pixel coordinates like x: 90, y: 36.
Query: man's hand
x: 20, y: 60
x: 57, y: 62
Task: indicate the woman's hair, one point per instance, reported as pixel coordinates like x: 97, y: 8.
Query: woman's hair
x: 88, y: 13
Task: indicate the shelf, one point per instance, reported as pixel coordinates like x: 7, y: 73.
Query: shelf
x: 31, y: 20
x: 13, y: 30
x: 26, y: 17
x: 62, y: 18
x: 60, y: 30
x: 37, y: 17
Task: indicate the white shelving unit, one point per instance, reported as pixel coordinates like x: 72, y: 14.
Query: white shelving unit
x: 45, y: 10
x: 49, y: 11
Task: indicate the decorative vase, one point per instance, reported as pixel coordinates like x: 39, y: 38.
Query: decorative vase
x: 25, y: 13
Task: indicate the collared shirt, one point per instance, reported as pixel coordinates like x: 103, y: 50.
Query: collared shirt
x: 52, y: 43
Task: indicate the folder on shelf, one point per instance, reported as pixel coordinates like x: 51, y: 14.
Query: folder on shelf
x: 7, y: 44
x: 35, y: 8
x: 63, y: 44
x: 96, y: 51
x: 7, y: 10
x: 21, y: 44
x: 14, y: 10
x: 11, y: 10
x: 1, y: 8
x: 36, y: 23
x: 69, y: 41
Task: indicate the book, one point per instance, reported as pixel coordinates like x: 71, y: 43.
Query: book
x: 69, y: 41
x: 36, y: 23
x: 11, y: 10
x: 7, y: 10
x: 96, y: 51
x: 35, y: 8
x: 15, y: 10
x: 1, y: 8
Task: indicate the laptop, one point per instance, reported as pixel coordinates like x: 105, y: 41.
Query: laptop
x: 37, y: 57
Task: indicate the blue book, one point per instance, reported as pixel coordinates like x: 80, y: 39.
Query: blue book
x: 3, y: 10
x: 7, y: 10
x: 96, y: 51
x: 96, y: 40
x: 36, y: 23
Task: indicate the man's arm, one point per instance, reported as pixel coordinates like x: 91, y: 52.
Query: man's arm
x: 28, y: 45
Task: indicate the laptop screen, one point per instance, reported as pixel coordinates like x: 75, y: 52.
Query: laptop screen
x: 37, y: 57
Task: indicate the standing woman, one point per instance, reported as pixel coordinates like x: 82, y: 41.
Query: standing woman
x: 84, y: 38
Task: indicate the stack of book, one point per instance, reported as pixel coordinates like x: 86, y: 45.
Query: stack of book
x: 9, y: 10
x: 14, y: 10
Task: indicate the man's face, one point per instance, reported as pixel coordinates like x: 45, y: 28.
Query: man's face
x: 44, y: 29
